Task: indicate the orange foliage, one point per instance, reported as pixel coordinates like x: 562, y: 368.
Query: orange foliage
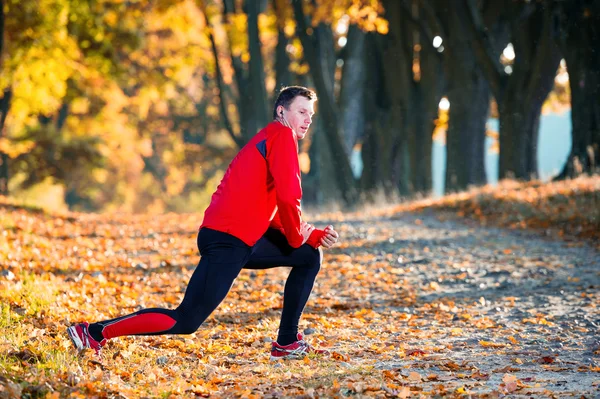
x: 391, y: 332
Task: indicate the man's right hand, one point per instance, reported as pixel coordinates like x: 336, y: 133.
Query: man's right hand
x: 306, y: 230
x: 330, y: 238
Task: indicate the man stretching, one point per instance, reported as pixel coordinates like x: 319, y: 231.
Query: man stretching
x: 253, y: 222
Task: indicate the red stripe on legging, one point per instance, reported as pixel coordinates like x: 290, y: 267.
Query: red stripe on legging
x: 145, y: 323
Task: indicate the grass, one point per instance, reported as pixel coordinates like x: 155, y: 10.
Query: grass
x: 24, y: 349
x: 30, y: 292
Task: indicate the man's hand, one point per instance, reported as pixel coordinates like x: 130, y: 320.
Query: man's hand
x: 306, y: 230
x: 330, y: 238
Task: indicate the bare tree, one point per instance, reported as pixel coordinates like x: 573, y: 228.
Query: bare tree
x: 521, y: 93
x: 327, y: 105
x: 579, y: 22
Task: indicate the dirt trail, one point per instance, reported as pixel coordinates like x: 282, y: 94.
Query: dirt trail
x: 490, y: 304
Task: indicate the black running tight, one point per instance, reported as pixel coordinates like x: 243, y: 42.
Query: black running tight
x: 222, y: 258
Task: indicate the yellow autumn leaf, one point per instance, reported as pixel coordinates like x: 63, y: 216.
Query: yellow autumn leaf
x: 404, y: 392
x: 489, y: 344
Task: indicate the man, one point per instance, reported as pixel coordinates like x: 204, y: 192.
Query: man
x: 254, y: 222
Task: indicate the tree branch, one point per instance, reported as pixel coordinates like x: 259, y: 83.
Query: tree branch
x: 307, y: 40
x: 256, y: 66
x: 428, y: 28
x: 238, y: 141
x: 545, y: 55
x: 434, y: 22
x: 483, y: 48
x: 418, y: 24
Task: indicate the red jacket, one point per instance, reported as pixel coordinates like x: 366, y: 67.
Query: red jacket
x: 261, y: 189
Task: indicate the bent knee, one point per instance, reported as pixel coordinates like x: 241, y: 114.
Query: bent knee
x: 314, y: 258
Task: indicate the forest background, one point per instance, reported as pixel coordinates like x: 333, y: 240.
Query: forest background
x: 138, y: 106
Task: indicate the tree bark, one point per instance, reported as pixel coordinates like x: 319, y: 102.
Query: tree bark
x: 426, y: 95
x: 327, y: 107
x: 4, y: 160
x: 322, y: 173
x: 4, y: 106
x: 352, y: 88
x: 396, y: 62
x: 534, y: 69
x: 258, y: 92
x: 579, y: 37
x: 414, y: 94
x: 385, y: 153
x: 379, y: 147
x: 521, y: 94
x: 283, y: 76
x: 469, y: 97
x: 239, y: 141
x: 248, y: 119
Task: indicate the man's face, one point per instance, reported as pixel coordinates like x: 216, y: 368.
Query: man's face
x: 299, y: 115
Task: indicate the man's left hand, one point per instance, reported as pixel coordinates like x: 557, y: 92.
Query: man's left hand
x: 330, y: 238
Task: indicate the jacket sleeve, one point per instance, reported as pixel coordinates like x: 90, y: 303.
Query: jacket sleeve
x: 315, y: 237
x: 282, y: 160
x: 276, y: 222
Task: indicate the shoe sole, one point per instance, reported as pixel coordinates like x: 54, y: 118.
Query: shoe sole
x: 75, y: 338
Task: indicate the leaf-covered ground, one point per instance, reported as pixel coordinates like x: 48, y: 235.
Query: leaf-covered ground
x: 418, y: 300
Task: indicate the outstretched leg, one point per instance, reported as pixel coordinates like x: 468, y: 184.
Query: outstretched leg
x: 223, y: 256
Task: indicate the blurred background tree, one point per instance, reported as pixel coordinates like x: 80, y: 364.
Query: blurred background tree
x: 139, y: 106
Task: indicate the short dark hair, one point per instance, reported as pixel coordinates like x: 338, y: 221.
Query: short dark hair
x: 287, y: 95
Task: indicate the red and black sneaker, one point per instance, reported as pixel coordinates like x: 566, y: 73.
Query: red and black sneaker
x: 81, y: 338
x: 295, y: 350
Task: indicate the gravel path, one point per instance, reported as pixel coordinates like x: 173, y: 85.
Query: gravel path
x: 500, y: 309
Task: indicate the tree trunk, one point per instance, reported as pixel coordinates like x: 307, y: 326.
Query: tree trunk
x: 465, y: 139
x: 352, y: 88
x: 519, y: 96
x: 369, y: 153
x: 469, y: 97
x: 322, y: 174
x: 579, y: 37
x: 239, y: 141
x: 518, y: 129
x: 245, y: 101
x: 382, y: 118
x: 327, y: 107
x: 258, y: 92
x: 4, y: 106
x: 319, y: 186
x: 394, y: 98
x: 322, y: 169
x: 426, y: 94
x: 283, y: 76
x: 4, y: 172
x: 534, y: 69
